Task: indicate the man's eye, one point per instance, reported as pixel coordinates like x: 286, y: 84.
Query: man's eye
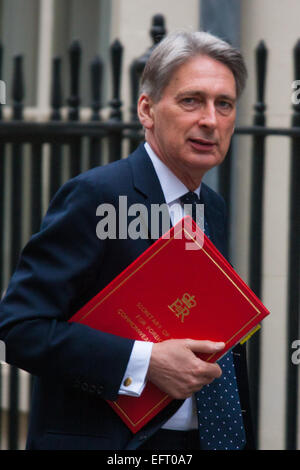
x: 225, y: 105
x: 188, y: 101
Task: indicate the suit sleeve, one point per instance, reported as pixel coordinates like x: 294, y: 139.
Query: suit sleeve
x: 38, y: 303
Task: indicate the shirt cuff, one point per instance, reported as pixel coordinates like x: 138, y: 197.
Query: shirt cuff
x: 134, y: 379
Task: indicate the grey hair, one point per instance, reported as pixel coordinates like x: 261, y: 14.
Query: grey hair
x: 177, y: 48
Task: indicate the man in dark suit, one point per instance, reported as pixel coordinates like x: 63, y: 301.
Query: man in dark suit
x: 187, y: 107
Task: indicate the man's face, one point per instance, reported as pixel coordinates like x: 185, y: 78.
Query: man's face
x: 190, y: 127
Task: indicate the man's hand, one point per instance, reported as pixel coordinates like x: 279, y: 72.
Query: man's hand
x: 176, y: 370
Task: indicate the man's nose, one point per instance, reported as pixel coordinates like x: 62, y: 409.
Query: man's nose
x: 208, y: 116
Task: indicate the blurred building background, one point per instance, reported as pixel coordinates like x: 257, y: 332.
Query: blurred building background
x: 42, y: 29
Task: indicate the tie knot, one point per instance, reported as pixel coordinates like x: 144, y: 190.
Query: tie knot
x: 190, y: 198
x: 191, y: 203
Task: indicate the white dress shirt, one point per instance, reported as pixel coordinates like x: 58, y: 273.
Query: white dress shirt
x: 185, y: 418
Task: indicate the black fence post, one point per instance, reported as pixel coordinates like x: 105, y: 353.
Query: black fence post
x: 74, y: 99
x: 16, y: 236
x: 293, y: 287
x: 224, y: 180
x: 96, y: 88
x: 36, y: 186
x: 74, y: 102
x: 157, y: 32
x: 115, y: 137
x: 55, y: 148
x: 135, y: 71
x: 56, y: 90
x: 256, y: 224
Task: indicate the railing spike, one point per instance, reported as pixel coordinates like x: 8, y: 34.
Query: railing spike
x: 96, y: 86
x: 18, y: 87
x: 296, y: 54
x: 158, y: 29
x: 56, y: 92
x: 74, y: 99
x: 157, y: 32
x: 116, y: 51
x: 261, y: 54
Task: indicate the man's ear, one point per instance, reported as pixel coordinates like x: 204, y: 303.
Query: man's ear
x: 145, y: 111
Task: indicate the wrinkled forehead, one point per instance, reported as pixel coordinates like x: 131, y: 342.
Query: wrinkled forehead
x: 201, y: 73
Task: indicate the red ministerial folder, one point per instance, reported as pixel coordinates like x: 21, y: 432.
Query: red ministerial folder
x: 180, y: 287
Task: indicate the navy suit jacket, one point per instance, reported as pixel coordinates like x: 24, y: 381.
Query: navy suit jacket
x: 77, y: 368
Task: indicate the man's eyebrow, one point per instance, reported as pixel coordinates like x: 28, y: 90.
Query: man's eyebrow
x: 182, y: 94
x: 227, y: 97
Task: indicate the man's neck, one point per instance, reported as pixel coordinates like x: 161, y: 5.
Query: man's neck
x: 191, y: 183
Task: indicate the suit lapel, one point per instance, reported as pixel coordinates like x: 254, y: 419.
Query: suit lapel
x: 148, y: 190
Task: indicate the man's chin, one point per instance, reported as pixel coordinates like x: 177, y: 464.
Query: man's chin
x: 205, y: 161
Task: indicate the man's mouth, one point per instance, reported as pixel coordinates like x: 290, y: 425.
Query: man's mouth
x: 202, y: 144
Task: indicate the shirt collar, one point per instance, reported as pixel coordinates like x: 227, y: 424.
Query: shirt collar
x: 171, y: 186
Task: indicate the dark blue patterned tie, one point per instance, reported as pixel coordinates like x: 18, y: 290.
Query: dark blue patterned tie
x: 218, y: 405
x: 190, y: 201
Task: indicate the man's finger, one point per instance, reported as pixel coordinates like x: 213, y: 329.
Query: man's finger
x: 205, y: 346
